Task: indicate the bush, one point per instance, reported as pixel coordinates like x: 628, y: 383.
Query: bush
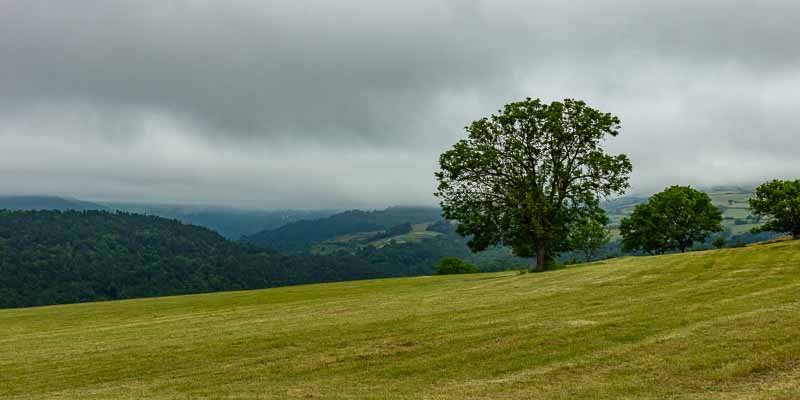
x: 453, y: 265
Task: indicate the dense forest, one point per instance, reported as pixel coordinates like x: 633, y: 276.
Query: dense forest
x: 51, y: 257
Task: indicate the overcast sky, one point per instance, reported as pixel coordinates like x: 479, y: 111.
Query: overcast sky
x: 348, y: 103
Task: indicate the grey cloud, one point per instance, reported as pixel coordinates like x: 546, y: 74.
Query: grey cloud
x: 251, y: 96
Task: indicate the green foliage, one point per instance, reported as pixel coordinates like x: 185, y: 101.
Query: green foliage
x: 49, y: 257
x: 779, y: 202
x: 522, y: 177
x: 453, y: 265
x: 588, y: 236
x: 672, y: 219
x: 719, y: 242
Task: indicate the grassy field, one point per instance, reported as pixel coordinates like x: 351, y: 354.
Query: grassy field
x: 707, y: 325
x: 362, y: 239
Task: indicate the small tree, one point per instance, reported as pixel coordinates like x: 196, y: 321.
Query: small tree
x: 719, y: 242
x: 453, y: 265
x: 643, y: 230
x: 672, y: 219
x: 779, y: 202
x: 587, y: 236
x: 522, y: 177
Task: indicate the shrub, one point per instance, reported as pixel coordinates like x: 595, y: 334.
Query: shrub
x: 453, y: 265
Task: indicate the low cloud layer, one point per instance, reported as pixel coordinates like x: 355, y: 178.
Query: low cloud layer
x: 347, y: 104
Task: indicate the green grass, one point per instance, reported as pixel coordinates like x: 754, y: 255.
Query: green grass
x: 411, y: 237
x: 707, y: 325
x: 362, y: 239
x: 736, y: 213
x: 730, y: 199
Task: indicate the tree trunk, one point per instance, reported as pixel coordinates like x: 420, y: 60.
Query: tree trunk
x: 541, y: 258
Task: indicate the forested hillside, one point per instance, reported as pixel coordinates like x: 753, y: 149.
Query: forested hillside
x: 49, y: 257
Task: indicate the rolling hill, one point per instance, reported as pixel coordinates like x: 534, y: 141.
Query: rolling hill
x: 46, y: 203
x: 302, y: 235
x: 412, y: 236
x: 52, y: 257
x: 704, y: 325
x: 233, y: 223
x: 358, y: 232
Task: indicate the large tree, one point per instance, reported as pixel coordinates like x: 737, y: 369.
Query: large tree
x: 779, y: 202
x: 523, y: 177
x: 671, y: 220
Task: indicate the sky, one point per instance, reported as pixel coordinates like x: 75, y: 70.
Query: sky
x: 348, y: 103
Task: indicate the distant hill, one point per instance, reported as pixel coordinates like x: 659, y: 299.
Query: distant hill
x: 233, y: 223
x: 52, y: 257
x: 416, y: 237
x: 302, y: 235
x: 360, y: 232
x: 46, y: 203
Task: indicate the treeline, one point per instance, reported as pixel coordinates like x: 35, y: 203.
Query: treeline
x: 53, y: 257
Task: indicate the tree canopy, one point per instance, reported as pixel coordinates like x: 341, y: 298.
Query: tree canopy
x: 453, y: 265
x: 671, y: 220
x: 523, y: 177
x: 587, y: 236
x: 779, y: 202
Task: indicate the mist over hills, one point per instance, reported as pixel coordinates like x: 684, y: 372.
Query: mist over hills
x: 47, y: 203
x: 233, y: 223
